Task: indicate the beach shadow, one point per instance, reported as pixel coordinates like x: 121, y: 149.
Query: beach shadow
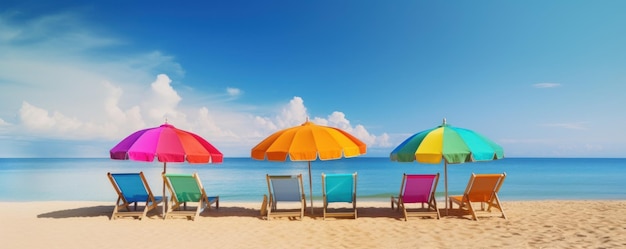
x: 231, y: 212
x: 363, y: 212
x: 379, y: 212
x: 95, y: 211
x: 462, y: 214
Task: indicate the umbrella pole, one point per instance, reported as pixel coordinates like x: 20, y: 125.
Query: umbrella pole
x: 163, y: 196
x: 445, y: 172
x: 310, y: 187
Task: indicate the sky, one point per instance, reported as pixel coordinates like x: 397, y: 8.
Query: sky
x: 540, y: 78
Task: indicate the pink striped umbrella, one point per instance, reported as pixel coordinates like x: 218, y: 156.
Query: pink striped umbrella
x: 167, y: 144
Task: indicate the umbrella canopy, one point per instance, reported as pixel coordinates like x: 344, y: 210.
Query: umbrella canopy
x: 452, y: 144
x: 308, y: 142
x: 167, y: 144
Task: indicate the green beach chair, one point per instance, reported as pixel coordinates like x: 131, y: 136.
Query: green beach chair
x: 286, y: 189
x: 417, y: 189
x: 339, y: 188
x: 132, y: 188
x: 184, y: 189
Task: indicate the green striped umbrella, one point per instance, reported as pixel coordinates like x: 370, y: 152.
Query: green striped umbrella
x: 452, y: 144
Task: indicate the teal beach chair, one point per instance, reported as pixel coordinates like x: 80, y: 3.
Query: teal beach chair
x: 339, y: 188
x: 132, y: 188
x: 284, y: 189
x: 184, y: 189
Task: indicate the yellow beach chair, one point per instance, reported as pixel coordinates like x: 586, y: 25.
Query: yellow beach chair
x: 483, y: 189
x: 339, y: 188
x: 417, y: 189
x: 132, y: 188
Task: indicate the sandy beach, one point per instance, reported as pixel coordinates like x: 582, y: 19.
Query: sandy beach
x: 530, y: 224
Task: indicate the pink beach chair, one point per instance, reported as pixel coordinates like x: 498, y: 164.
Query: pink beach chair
x: 417, y: 189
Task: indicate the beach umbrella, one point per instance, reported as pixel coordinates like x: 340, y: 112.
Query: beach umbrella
x: 451, y: 144
x: 167, y: 144
x: 308, y: 142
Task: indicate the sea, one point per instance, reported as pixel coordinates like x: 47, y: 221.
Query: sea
x: 243, y: 179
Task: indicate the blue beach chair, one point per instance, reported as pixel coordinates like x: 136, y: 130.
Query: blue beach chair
x: 339, y: 188
x: 132, y: 188
x: 284, y: 189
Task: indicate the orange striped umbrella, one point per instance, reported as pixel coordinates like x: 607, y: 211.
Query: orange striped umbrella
x: 308, y: 142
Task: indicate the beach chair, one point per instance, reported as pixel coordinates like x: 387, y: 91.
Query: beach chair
x: 339, y: 188
x: 288, y: 190
x: 132, y: 189
x: 417, y: 189
x: 184, y: 189
x: 483, y: 189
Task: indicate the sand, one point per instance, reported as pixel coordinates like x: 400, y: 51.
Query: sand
x: 530, y: 224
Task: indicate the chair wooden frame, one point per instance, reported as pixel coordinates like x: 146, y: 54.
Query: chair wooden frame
x: 424, y: 196
x: 285, y: 189
x: 128, y: 195
x: 185, y: 188
x: 483, y: 189
x: 348, y: 196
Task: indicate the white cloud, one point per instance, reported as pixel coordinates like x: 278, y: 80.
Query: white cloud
x: 44, y: 124
x: 131, y: 118
x: 51, y: 32
x: 164, y: 100
x: 523, y: 141
x: 339, y: 120
x: 292, y: 114
x: 569, y: 126
x: 233, y: 130
x: 383, y: 141
x: 233, y: 91
x: 3, y: 123
x: 546, y: 85
x: 37, y: 118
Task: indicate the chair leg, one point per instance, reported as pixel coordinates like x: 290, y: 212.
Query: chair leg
x: 302, y: 210
x: 264, y: 206
x: 324, y: 207
x: 402, y: 205
x: 114, y: 214
x: 271, y: 206
x: 433, y: 205
x: 497, y: 200
x: 471, y: 209
x: 354, y: 206
x: 145, y: 211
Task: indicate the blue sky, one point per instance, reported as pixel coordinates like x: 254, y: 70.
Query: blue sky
x: 540, y: 78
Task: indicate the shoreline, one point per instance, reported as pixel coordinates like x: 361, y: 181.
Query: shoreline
x: 530, y: 224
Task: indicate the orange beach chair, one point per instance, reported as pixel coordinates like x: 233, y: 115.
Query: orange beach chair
x: 483, y: 189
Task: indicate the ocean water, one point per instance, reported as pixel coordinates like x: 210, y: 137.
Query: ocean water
x: 243, y: 179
